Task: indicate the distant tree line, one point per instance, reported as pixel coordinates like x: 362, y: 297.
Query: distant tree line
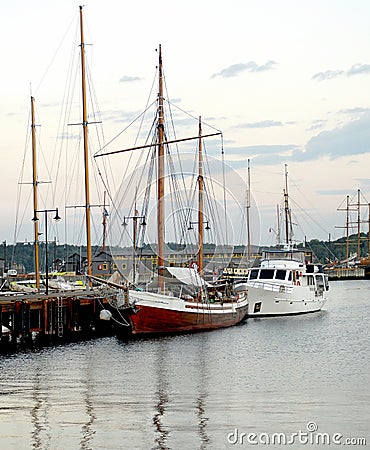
x: 326, y: 251
x: 23, y: 253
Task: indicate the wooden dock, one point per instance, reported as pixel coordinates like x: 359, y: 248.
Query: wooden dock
x: 47, y: 319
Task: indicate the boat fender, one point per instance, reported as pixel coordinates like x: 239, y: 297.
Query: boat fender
x: 105, y: 314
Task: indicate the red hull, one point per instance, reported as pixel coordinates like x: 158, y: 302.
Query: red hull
x: 153, y: 320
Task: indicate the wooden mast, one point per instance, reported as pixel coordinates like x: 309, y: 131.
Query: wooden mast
x: 104, y: 223
x: 35, y: 206
x: 86, y: 148
x: 160, y: 175
x: 200, y: 201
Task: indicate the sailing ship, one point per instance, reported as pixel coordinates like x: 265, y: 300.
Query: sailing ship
x: 287, y: 281
x: 178, y: 299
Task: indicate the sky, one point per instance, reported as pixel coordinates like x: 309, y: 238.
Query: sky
x: 286, y: 81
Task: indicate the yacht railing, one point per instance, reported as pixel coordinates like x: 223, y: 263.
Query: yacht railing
x: 269, y: 286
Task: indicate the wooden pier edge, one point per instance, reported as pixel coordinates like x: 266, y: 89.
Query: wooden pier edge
x: 38, y: 319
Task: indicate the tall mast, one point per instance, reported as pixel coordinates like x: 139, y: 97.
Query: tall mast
x: 105, y: 214
x: 86, y: 148
x: 35, y: 206
x: 368, y: 234
x: 160, y: 175
x: 347, y: 230
x: 347, y: 225
x: 286, y: 207
x: 200, y: 201
x: 248, y: 207
x: 358, y: 224
x: 134, y: 247
x: 278, y: 225
x: 135, y: 218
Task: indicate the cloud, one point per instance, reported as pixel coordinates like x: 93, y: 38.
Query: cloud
x: 236, y: 69
x: 363, y: 185
x: 260, y: 154
x: 321, y: 123
x: 317, y: 124
x: 356, y: 69
x: 50, y: 105
x: 119, y: 116
x: 332, y: 192
x: 261, y: 124
x: 69, y: 136
x: 328, y: 75
x: 353, y: 138
x: 350, y: 139
x: 261, y: 149
x: 357, y: 110
x: 129, y: 79
x: 175, y: 100
x: 364, y: 182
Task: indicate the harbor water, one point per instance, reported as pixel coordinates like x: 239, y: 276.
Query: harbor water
x: 297, y: 382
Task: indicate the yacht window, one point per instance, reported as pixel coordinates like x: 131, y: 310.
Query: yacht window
x: 310, y: 280
x: 280, y: 274
x: 326, y: 281
x: 290, y: 276
x: 267, y: 274
x: 320, y: 281
x: 253, y: 274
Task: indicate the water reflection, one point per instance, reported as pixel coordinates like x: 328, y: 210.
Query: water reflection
x: 40, y: 411
x: 48, y: 385
x: 87, y: 428
x: 162, y: 395
x: 201, y: 363
x: 180, y: 370
x: 189, y: 392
